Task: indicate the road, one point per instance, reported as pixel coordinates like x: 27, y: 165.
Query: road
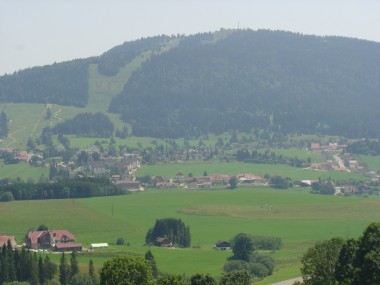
x: 288, y: 282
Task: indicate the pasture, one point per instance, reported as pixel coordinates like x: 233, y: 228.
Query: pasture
x: 298, y: 217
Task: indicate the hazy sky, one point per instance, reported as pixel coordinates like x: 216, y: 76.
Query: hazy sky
x: 39, y: 32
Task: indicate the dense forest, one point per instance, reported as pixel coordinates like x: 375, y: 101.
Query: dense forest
x: 87, y: 125
x: 240, y: 80
x: 63, y: 83
x: 256, y: 79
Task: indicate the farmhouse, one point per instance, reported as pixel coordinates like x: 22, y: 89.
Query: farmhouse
x: 222, y: 245
x: 164, y: 242
x: 220, y: 178
x: 5, y: 238
x: 251, y: 179
x: 49, y: 239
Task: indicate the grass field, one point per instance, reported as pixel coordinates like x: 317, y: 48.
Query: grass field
x: 298, y: 217
x: 22, y: 170
x: 233, y: 168
x: 373, y: 162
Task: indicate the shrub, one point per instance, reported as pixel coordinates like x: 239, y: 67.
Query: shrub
x: 7, y: 197
x: 120, y: 241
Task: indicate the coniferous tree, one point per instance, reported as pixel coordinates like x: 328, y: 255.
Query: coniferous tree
x: 149, y: 256
x: 74, y: 268
x: 64, y: 271
x: 50, y: 268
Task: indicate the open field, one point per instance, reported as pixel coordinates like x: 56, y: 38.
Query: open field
x: 298, y: 217
x: 22, y: 170
x: 373, y: 162
x: 232, y: 168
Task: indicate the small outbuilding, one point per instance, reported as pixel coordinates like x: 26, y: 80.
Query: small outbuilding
x: 99, y: 245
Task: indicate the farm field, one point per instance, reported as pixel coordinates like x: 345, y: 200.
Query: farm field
x: 295, y: 215
x: 233, y: 168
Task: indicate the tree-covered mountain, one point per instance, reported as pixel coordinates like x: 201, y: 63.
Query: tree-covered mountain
x: 227, y: 80
x: 256, y: 79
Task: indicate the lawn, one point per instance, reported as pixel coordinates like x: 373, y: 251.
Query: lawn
x: 298, y: 217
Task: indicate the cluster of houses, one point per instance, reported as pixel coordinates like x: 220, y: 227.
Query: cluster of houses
x: 207, y: 181
x: 49, y: 240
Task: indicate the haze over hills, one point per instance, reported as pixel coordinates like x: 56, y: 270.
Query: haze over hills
x: 185, y: 86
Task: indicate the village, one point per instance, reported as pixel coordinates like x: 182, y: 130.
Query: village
x: 121, y: 168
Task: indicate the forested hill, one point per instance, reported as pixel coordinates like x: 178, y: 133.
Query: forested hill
x: 257, y: 79
x: 228, y: 80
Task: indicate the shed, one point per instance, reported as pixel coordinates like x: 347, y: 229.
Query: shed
x: 99, y: 245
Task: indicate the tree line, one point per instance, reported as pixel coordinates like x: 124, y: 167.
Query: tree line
x: 366, y: 147
x: 64, y: 189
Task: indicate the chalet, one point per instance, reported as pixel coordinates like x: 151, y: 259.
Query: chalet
x: 220, y: 178
x: 315, y: 147
x: 22, y: 155
x: 179, y: 177
x: 5, y: 238
x: 48, y: 239
x: 98, y: 168
x: 250, y: 179
x: 163, y: 242
x: 222, y: 245
x: 202, y: 179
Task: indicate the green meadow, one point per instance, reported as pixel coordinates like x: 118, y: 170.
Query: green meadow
x: 295, y: 215
x: 233, y: 168
x: 23, y: 171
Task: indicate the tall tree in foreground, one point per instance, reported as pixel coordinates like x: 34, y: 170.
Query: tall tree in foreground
x: 319, y: 262
x: 126, y: 270
x: 64, y: 271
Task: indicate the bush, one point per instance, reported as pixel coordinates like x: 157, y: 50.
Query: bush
x: 233, y: 265
x: 259, y: 269
x: 7, y: 197
x: 120, y: 241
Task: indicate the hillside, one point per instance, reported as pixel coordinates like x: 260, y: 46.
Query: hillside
x: 215, y: 82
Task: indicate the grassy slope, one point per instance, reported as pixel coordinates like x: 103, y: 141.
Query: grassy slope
x: 298, y: 217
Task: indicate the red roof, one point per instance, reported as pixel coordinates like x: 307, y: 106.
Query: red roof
x: 67, y: 245
x: 60, y: 234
